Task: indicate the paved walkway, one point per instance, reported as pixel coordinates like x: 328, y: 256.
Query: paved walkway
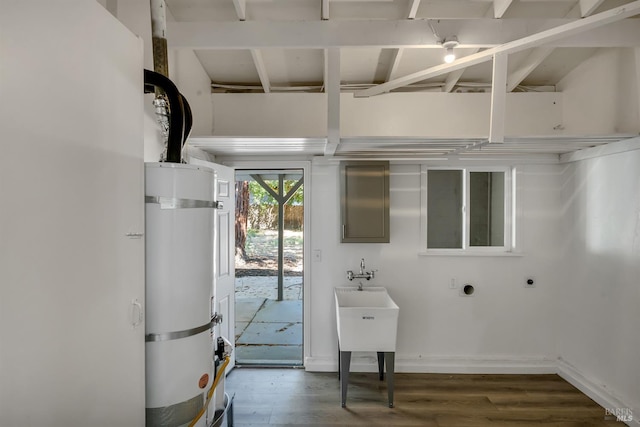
x: 268, y: 332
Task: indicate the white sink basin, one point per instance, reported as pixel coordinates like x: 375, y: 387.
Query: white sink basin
x: 367, y: 319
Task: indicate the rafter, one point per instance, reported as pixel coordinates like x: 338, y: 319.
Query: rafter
x: 262, y: 70
x: 397, y: 53
x: 572, y: 28
x: 413, y: 9
x: 537, y: 56
x: 587, y: 7
x: 500, y: 7
x: 395, y: 63
x: 241, y: 9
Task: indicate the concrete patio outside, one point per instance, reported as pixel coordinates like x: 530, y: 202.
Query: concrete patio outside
x: 267, y: 331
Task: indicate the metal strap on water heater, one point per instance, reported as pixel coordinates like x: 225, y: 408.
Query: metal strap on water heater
x: 177, y: 203
x: 168, y: 336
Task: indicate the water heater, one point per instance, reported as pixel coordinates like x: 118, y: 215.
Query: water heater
x: 179, y: 290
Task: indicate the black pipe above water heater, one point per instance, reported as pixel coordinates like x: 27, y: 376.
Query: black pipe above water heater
x: 180, y: 117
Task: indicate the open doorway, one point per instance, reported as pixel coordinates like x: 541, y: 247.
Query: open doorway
x: 269, y: 267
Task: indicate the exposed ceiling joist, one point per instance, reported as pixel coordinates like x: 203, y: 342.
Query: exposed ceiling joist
x: 500, y: 7
x: 480, y: 33
x: 566, y: 30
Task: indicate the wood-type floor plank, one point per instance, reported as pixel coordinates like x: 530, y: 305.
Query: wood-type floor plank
x: 271, y: 397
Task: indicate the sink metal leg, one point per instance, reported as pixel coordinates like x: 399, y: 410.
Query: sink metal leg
x: 339, y: 364
x: 345, y: 363
x: 381, y: 365
x: 390, y: 358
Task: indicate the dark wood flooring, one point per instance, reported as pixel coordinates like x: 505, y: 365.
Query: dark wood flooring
x: 293, y: 397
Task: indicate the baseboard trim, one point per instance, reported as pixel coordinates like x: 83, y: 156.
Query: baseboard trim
x: 598, y: 392
x: 448, y: 365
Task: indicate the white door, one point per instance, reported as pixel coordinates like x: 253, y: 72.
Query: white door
x: 224, y: 252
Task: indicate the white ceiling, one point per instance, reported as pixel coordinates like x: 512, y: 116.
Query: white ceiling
x: 280, y: 45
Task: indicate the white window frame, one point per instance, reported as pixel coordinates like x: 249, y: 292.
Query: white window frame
x: 509, y: 248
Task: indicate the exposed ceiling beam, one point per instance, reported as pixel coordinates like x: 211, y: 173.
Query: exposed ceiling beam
x: 332, y: 88
x: 498, y: 98
x: 587, y: 7
x: 570, y: 29
x: 262, y: 70
x: 500, y: 7
x: 479, y: 33
x: 241, y: 9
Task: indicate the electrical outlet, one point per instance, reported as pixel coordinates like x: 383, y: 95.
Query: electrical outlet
x: 529, y: 282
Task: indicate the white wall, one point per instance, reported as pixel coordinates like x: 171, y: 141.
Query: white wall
x: 503, y: 327
x: 453, y: 115
x: 601, y: 95
x: 71, y: 187
x: 599, y: 317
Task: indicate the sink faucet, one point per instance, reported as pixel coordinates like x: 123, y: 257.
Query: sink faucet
x: 362, y: 274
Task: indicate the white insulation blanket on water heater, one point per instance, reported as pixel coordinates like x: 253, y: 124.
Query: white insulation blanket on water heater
x: 179, y: 291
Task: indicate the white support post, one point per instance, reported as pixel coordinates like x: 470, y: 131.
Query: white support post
x: 332, y: 88
x: 498, y: 98
x: 636, y: 52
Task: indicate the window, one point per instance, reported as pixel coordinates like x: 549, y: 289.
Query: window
x: 467, y: 210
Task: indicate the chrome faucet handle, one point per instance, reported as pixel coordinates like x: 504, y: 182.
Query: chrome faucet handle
x: 349, y: 275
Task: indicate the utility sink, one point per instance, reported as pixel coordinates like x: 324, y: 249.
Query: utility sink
x: 367, y: 319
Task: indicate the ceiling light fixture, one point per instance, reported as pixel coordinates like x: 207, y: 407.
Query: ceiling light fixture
x: 449, y: 43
